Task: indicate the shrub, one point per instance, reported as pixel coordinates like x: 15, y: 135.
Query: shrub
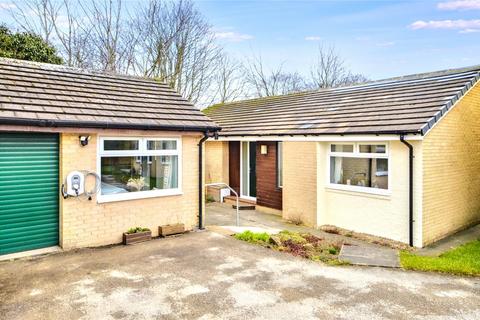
x: 332, y: 251
x: 292, y: 236
x: 255, y: 237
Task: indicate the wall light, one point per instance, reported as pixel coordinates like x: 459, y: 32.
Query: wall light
x: 263, y: 149
x: 84, y: 140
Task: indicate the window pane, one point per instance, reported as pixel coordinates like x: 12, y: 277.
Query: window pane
x: 279, y: 164
x: 372, y: 148
x: 120, y: 145
x: 133, y: 174
x: 363, y: 172
x: 245, y: 169
x: 161, y: 145
x: 342, y: 148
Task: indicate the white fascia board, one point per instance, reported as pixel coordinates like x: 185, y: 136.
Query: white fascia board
x: 320, y: 138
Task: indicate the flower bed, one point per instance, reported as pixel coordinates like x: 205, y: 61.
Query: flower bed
x: 304, y: 245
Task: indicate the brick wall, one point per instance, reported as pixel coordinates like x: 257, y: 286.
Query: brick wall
x: 300, y: 182
x: 452, y: 170
x: 216, y: 161
x: 268, y: 194
x: 87, y: 223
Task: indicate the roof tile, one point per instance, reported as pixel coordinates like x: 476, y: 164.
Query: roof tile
x: 409, y: 104
x: 75, y: 97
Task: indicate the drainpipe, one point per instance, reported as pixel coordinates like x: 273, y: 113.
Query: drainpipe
x: 410, y: 189
x: 206, y: 135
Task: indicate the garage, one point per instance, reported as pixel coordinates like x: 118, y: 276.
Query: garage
x: 28, y: 191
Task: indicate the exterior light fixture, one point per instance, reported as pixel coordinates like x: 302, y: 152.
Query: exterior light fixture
x: 263, y: 149
x: 84, y: 140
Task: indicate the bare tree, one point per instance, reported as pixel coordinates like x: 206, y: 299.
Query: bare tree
x: 274, y: 82
x: 228, y: 84
x: 73, y: 35
x: 109, y: 36
x: 177, y: 46
x: 59, y: 24
x: 329, y: 70
x: 35, y: 16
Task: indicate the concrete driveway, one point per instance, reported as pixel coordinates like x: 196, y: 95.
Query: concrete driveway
x: 210, y: 276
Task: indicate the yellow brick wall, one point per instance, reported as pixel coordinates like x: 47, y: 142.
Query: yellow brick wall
x: 87, y: 223
x: 452, y: 170
x: 216, y: 161
x: 300, y: 182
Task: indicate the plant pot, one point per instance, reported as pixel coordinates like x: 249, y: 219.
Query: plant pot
x: 131, y: 238
x: 170, y: 229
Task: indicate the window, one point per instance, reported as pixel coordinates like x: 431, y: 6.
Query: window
x: 341, y: 148
x: 361, y: 167
x: 132, y: 168
x: 279, y: 164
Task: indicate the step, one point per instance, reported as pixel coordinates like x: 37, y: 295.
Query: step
x: 243, y: 204
x: 243, y: 207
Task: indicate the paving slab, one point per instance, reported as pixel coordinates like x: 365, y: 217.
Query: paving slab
x: 366, y: 255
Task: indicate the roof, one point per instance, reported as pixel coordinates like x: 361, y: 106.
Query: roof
x: 403, y: 105
x: 41, y: 94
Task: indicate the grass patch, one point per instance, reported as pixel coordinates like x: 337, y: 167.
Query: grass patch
x: 304, y: 245
x: 464, y: 260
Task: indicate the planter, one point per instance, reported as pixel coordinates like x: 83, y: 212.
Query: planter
x: 131, y: 238
x: 170, y: 229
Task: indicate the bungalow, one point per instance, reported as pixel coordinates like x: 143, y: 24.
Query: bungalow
x: 397, y: 158
x: 84, y: 156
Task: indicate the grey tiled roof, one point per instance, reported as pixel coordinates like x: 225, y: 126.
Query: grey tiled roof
x: 50, y: 95
x: 409, y: 104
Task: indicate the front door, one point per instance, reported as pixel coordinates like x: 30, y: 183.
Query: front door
x: 248, y: 159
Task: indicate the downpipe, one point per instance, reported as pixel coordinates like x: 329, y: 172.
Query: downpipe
x: 410, y: 189
x: 205, y: 137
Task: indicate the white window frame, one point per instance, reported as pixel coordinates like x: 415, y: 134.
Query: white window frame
x: 356, y: 154
x: 141, y: 152
x: 242, y: 194
x: 279, y: 164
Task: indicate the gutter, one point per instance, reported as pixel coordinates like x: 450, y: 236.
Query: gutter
x: 410, y: 189
x: 101, y: 125
x: 206, y: 135
x: 226, y: 134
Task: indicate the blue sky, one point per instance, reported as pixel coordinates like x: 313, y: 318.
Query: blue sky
x: 376, y: 38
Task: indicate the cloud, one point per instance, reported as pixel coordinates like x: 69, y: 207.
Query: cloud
x: 313, y: 38
x: 464, y: 25
x: 470, y: 31
x: 7, y: 5
x: 460, y: 5
x: 385, y: 44
x: 233, y: 36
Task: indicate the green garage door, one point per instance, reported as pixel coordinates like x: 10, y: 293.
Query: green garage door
x: 28, y: 191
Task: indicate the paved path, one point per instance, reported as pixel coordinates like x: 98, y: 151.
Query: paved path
x: 451, y: 242
x: 359, y: 253
x: 223, y: 215
x: 210, y: 276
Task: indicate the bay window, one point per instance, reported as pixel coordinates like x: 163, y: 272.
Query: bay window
x: 359, y: 167
x: 132, y: 168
